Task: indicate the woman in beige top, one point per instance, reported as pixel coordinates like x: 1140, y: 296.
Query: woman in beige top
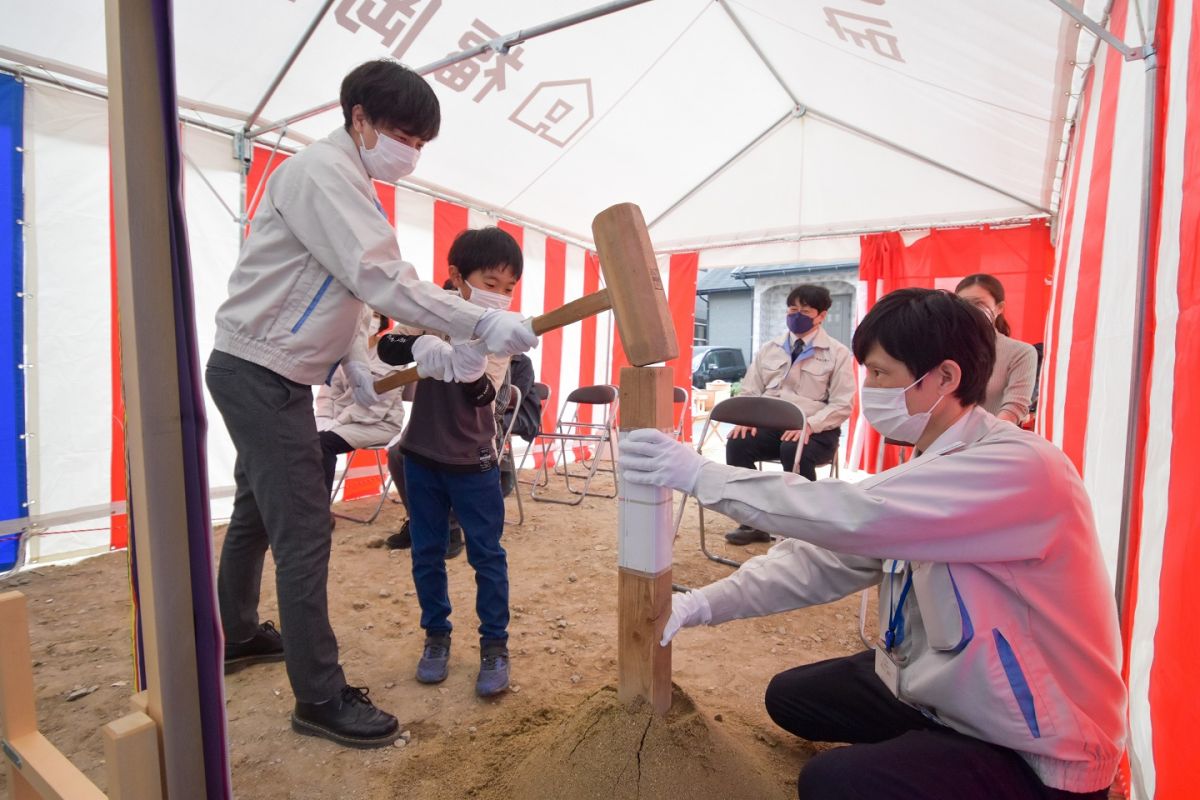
x: 1010, y: 389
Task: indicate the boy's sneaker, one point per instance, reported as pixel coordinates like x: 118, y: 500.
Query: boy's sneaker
x: 348, y: 718
x: 401, y: 540
x: 265, y: 645
x: 455, y: 547
x: 744, y: 534
x: 493, y: 671
x: 435, y: 660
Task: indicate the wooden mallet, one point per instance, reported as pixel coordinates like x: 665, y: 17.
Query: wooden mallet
x: 634, y: 293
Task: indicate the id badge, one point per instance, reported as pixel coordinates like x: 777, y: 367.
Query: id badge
x: 887, y: 670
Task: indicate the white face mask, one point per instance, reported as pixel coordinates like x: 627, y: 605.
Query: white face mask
x: 887, y: 411
x: 486, y: 299
x: 389, y: 160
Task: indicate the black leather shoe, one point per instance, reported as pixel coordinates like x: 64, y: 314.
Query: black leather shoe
x: 348, y: 718
x: 265, y: 645
x: 401, y: 540
x: 744, y: 534
x: 455, y: 547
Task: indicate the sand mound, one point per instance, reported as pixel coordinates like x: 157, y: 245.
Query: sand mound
x: 605, y: 750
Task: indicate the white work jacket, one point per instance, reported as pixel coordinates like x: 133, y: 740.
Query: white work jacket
x: 821, y: 385
x: 319, y: 248
x: 1010, y: 628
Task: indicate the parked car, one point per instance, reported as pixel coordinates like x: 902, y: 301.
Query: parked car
x: 717, y: 364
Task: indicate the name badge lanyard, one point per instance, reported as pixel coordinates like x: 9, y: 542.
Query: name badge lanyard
x: 895, y: 632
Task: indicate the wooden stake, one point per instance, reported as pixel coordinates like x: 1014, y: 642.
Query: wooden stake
x: 150, y: 381
x: 644, y: 577
x: 131, y: 758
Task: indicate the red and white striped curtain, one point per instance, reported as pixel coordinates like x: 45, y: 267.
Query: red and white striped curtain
x: 1090, y: 365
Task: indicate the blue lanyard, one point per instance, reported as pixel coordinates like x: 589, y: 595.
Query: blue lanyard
x: 379, y: 205
x: 895, y: 632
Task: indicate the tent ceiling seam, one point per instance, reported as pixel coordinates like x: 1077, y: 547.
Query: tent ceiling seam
x: 793, y: 113
x: 759, y: 52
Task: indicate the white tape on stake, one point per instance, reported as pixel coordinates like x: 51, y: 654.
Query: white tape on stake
x: 644, y: 522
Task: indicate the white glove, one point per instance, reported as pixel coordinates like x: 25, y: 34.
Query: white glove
x: 433, y: 355
x: 362, y: 383
x: 687, y: 609
x: 654, y: 458
x: 468, y: 362
x: 505, y: 333
x: 325, y: 424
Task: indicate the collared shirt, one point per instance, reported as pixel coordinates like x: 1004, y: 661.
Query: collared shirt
x: 822, y: 385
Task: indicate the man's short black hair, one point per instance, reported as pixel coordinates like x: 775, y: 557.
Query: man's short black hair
x: 924, y: 327
x: 486, y: 248
x: 392, y: 94
x: 811, y: 295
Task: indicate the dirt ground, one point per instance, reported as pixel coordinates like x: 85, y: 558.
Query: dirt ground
x: 562, y: 566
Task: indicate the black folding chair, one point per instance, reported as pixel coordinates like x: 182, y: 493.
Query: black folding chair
x: 570, y: 428
x: 768, y: 413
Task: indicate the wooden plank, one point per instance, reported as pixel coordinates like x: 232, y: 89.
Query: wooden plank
x: 149, y: 372
x: 631, y: 275
x: 49, y: 773
x: 644, y: 576
x: 131, y: 758
x: 643, y: 666
x: 18, y: 714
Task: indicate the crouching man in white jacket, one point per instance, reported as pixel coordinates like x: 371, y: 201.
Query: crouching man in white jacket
x: 998, y: 670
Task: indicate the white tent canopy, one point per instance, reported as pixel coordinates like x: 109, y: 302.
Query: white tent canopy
x: 820, y: 119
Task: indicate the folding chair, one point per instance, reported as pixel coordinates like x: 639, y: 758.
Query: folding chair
x: 514, y: 404
x: 385, y: 478
x: 569, y: 429
x: 543, y: 392
x: 682, y: 400
x: 832, y: 463
x: 770, y: 413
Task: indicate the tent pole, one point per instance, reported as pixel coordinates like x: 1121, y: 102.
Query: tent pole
x: 1096, y: 29
x: 794, y: 113
x: 141, y: 185
x: 758, y: 51
x: 500, y: 45
x: 287, y: 64
x: 1135, y: 457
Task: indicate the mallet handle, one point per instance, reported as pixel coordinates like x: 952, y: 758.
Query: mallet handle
x: 587, y: 306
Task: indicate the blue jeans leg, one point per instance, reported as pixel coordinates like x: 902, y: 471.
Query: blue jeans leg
x: 479, y: 504
x: 429, y: 524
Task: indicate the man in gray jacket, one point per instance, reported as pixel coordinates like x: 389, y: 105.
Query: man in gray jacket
x: 319, y: 249
x: 997, y: 669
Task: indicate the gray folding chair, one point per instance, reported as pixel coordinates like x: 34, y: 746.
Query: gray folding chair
x: 514, y: 404
x: 570, y: 428
x: 543, y: 392
x: 770, y: 413
x: 385, y: 478
x: 681, y: 397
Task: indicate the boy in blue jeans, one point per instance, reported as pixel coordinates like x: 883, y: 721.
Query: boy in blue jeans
x: 451, y: 462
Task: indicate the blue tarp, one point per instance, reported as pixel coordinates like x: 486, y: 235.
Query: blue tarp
x: 12, y: 321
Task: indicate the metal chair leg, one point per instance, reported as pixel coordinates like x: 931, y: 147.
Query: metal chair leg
x: 704, y: 547
x: 387, y: 485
